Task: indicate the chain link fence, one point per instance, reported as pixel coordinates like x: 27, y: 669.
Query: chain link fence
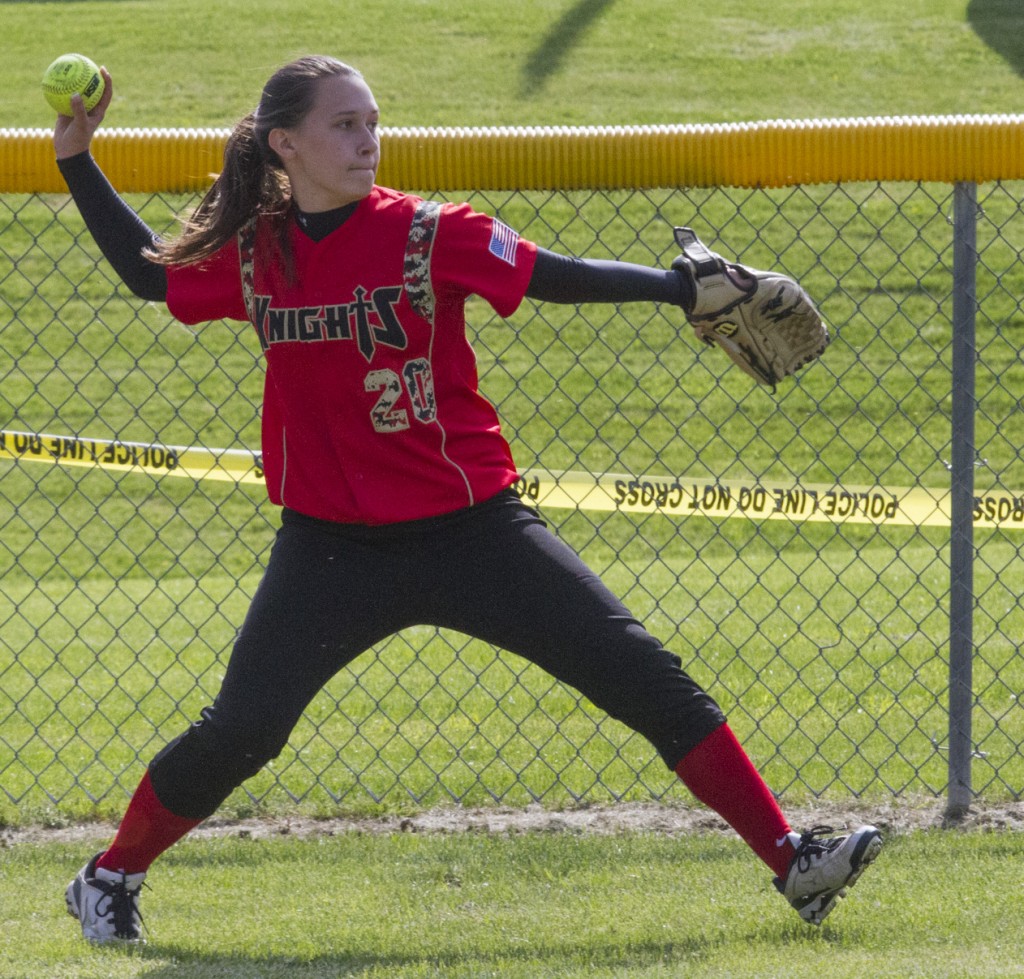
x: 795, y: 548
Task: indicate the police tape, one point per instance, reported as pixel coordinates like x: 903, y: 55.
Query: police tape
x: 677, y: 496
x: 234, y: 465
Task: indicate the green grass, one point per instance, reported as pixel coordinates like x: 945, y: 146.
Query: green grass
x: 534, y: 905
x: 537, y: 62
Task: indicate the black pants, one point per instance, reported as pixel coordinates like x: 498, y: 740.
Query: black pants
x: 492, y: 571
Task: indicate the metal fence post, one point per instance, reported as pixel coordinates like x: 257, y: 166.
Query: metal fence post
x: 961, y: 601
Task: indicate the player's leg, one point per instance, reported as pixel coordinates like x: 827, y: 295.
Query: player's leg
x: 319, y: 605
x: 813, y: 870
x: 530, y: 593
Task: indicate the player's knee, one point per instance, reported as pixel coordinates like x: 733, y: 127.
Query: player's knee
x: 196, y: 772
x: 651, y: 693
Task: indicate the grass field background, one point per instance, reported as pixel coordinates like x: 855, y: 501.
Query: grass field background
x: 174, y: 583
x: 524, y: 906
x: 538, y: 62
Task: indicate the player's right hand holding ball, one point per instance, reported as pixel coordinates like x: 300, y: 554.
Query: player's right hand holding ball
x: 73, y: 134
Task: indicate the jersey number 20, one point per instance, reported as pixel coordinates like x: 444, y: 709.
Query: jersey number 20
x: 386, y: 414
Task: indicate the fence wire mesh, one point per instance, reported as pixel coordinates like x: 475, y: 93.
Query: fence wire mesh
x: 825, y: 639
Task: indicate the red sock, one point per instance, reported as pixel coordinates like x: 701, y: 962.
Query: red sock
x: 146, y: 830
x: 719, y: 773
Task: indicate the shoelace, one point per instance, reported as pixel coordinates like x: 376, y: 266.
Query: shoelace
x: 811, y: 845
x: 122, y: 906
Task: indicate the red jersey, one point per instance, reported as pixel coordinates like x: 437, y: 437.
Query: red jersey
x: 372, y: 412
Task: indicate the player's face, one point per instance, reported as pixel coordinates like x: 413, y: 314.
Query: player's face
x: 331, y: 157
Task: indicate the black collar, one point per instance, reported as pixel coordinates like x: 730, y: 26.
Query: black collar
x: 319, y: 224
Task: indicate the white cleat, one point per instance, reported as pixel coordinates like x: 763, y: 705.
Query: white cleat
x: 822, y: 870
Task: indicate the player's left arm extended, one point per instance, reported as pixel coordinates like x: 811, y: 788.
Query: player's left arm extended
x: 561, y: 279
x: 764, y: 321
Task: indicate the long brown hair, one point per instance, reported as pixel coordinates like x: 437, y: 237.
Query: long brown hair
x: 253, y: 180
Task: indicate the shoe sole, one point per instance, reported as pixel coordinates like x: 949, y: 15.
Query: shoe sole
x: 863, y: 856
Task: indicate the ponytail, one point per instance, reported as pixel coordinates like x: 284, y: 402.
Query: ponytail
x: 249, y: 184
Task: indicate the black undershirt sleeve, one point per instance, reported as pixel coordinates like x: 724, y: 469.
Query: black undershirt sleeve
x: 561, y: 279
x: 118, y: 231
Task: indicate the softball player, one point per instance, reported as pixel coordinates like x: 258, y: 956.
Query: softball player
x: 396, y: 484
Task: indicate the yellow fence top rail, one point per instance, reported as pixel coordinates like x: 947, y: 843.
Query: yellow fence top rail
x: 778, y: 153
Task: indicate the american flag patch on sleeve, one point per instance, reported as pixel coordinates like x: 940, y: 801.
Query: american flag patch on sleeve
x: 504, y: 242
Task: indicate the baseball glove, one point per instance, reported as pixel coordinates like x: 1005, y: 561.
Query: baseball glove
x: 763, y: 320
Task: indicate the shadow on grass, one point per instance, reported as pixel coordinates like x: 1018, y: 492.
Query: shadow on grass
x: 547, y: 58
x: 547, y: 959
x: 1000, y: 24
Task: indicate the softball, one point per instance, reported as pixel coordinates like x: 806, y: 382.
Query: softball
x: 69, y: 74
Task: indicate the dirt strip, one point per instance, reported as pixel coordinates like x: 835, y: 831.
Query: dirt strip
x: 670, y: 819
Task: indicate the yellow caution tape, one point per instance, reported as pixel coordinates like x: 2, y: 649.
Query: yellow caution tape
x: 701, y: 495
x: 676, y: 496
x: 234, y: 465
